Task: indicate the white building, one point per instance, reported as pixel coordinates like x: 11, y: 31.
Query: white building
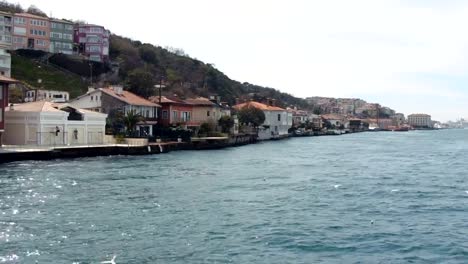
x: 46, y: 95
x: 5, y: 63
x: 420, y: 120
x: 48, y: 124
x: 277, y: 120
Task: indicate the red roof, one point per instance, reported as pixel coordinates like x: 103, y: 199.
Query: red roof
x: 258, y: 105
x: 200, y: 101
x: 167, y: 100
x: 4, y: 79
x: 128, y: 97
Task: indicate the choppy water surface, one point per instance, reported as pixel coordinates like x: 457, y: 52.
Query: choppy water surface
x: 360, y: 198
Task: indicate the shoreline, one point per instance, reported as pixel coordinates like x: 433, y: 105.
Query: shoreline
x: 23, y: 153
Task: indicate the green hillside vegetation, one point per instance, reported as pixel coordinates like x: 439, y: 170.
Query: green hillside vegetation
x: 29, y: 71
x: 143, y: 65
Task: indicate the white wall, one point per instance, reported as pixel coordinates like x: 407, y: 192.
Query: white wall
x: 85, y: 101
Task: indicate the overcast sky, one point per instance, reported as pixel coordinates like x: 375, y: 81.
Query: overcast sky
x: 408, y: 55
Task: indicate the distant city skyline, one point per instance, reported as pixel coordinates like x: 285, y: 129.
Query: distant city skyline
x: 407, y: 55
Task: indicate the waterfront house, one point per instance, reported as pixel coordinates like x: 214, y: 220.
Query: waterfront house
x: 4, y: 85
x: 336, y: 120
x: 277, y: 120
x: 61, y: 36
x: 31, y: 32
x: 6, y: 28
x: 420, y: 121
x: 204, y: 111
x: 115, y: 99
x: 174, y: 112
x: 92, y: 41
x: 46, y: 95
x: 299, y: 117
x: 45, y: 123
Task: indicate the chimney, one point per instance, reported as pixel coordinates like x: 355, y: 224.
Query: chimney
x: 118, y: 89
x: 273, y: 102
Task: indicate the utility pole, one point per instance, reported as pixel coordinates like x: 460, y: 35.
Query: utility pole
x: 91, y: 73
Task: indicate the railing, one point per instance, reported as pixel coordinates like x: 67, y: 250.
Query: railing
x: 65, y: 139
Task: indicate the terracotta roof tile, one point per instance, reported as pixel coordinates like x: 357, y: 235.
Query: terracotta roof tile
x: 39, y: 106
x: 128, y: 97
x: 201, y: 101
x: 7, y: 79
x: 258, y: 105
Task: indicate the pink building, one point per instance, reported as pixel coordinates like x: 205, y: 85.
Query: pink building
x: 30, y: 32
x: 92, y: 41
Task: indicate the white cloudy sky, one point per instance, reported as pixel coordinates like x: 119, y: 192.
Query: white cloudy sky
x: 408, y: 55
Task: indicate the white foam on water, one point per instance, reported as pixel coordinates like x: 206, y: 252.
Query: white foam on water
x: 395, y: 190
x: 336, y: 186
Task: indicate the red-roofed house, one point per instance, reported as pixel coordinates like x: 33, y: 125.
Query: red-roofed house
x: 204, y: 111
x: 175, y: 112
x: 277, y: 120
x: 115, y: 98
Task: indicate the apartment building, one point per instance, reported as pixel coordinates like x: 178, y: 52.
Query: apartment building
x: 92, y: 41
x: 31, y: 32
x: 420, y: 121
x: 5, y: 63
x: 6, y: 24
x: 61, y: 36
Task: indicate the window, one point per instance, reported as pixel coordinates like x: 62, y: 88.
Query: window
x: 147, y: 113
x: 69, y: 27
x: 95, y: 30
x: 185, y: 116
x: 20, y: 20
x: 67, y: 36
x: 67, y: 45
x: 58, y: 44
x: 1, y: 93
x: 92, y: 98
x: 279, y: 117
x: 19, y: 30
x: 164, y: 114
x: 40, y: 42
x: 207, y: 113
x: 94, y: 49
x: 174, y: 115
x: 55, y: 35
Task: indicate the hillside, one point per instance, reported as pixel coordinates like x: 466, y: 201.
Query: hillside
x: 29, y: 71
x: 142, y: 65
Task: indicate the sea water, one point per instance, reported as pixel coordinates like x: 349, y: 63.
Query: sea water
x: 385, y: 197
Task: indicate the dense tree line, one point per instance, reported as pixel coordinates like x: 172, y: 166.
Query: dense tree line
x: 17, y: 8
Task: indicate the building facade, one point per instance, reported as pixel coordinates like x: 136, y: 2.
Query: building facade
x: 6, y: 28
x: 204, y: 111
x: 115, y: 99
x: 31, y: 32
x: 5, y: 63
x: 49, y: 124
x: 92, y: 41
x: 277, y: 120
x: 61, y: 36
x: 47, y: 95
x: 420, y: 121
x: 4, y: 84
x: 174, y: 112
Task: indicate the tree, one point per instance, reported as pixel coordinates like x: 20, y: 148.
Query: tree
x: 205, y: 128
x: 148, y: 54
x: 130, y: 120
x: 33, y: 10
x: 141, y: 82
x: 226, y: 123
x: 251, y: 115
